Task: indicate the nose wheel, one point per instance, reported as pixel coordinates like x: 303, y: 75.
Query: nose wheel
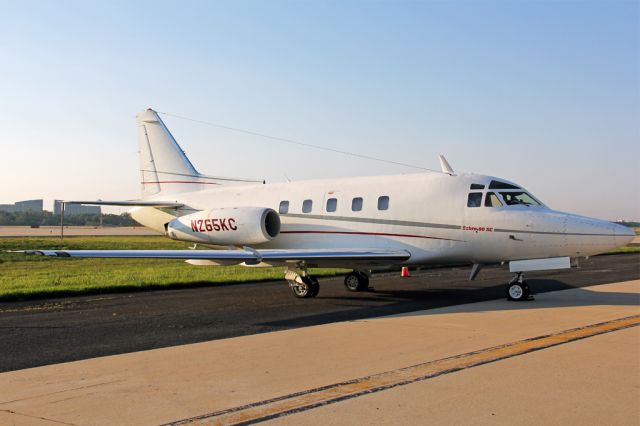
x: 518, y: 290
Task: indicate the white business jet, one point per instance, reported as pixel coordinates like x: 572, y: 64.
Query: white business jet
x: 358, y: 223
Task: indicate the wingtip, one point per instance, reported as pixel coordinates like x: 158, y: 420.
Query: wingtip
x: 25, y: 251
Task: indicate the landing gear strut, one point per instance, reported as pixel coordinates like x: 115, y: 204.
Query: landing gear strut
x: 302, y: 285
x: 356, y: 281
x: 517, y: 289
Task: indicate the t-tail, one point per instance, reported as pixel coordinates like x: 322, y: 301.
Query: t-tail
x: 164, y: 167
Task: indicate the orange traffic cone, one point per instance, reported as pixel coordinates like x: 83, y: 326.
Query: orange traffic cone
x: 405, y: 272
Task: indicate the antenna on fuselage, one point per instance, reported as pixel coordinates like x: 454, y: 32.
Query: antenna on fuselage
x: 445, y: 166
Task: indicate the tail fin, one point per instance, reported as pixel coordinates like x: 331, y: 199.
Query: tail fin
x: 164, y: 167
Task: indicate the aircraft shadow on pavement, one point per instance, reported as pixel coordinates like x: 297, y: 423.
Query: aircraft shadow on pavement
x: 428, y: 302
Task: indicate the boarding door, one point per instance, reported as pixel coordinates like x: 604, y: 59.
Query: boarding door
x: 474, y: 223
x: 483, y: 212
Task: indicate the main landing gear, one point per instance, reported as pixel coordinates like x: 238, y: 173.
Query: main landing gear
x: 357, y: 281
x: 302, y: 285
x: 518, y: 290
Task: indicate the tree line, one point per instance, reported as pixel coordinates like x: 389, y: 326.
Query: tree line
x: 45, y: 218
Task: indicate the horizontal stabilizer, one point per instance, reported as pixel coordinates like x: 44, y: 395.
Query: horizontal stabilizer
x: 131, y: 203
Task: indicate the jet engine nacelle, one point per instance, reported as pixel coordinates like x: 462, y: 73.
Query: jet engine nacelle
x: 227, y: 226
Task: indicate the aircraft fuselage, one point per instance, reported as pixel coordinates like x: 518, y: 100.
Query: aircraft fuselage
x: 431, y: 215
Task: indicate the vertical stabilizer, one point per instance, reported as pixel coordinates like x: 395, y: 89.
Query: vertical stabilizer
x: 164, y: 167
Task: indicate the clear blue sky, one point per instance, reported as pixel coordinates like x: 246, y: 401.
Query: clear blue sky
x: 546, y: 94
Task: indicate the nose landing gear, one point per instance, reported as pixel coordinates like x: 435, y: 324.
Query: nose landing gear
x: 518, y: 290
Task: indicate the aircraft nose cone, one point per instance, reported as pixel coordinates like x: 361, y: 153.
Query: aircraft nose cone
x: 624, y: 235
x: 588, y: 236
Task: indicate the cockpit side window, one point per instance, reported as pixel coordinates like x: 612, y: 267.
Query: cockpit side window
x: 492, y: 200
x: 519, y: 197
x: 496, y: 184
x: 477, y: 186
x: 475, y: 199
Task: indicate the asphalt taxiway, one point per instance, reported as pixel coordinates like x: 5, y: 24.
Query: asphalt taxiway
x: 37, y: 333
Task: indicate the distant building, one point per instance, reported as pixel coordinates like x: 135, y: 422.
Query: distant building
x: 22, y: 206
x: 71, y: 209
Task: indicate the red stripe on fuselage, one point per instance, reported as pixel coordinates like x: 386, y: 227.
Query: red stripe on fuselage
x: 382, y: 234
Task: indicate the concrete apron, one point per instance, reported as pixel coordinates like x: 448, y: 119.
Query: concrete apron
x: 211, y: 379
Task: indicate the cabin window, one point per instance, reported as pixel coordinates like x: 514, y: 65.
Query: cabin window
x: 383, y: 202
x: 307, y: 206
x: 332, y: 204
x: 492, y: 200
x: 356, y: 204
x: 477, y: 186
x: 284, y: 207
x: 518, y: 197
x: 495, y: 184
x: 475, y: 199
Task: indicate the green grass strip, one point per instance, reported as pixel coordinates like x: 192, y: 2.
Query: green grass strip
x: 28, y: 276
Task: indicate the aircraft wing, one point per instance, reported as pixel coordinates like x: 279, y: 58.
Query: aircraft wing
x: 247, y: 255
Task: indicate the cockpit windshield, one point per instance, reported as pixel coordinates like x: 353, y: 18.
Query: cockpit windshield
x: 512, y: 198
x: 492, y: 200
x: 496, y: 184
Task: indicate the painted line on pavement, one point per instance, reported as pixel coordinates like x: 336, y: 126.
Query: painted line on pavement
x: 312, y: 398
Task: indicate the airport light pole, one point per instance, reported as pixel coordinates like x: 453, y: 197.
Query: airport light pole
x: 62, y: 203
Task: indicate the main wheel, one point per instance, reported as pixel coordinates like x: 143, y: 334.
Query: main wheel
x: 517, y: 291
x: 315, y: 286
x: 309, y: 288
x: 356, y: 281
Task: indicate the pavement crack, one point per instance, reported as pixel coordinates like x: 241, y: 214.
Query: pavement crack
x: 60, y: 391
x: 37, y: 417
x: 46, y: 327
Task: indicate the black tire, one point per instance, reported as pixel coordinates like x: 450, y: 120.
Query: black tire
x: 527, y: 292
x: 356, y: 281
x: 309, y: 288
x: 315, y: 286
x: 517, y: 291
x: 365, y: 277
